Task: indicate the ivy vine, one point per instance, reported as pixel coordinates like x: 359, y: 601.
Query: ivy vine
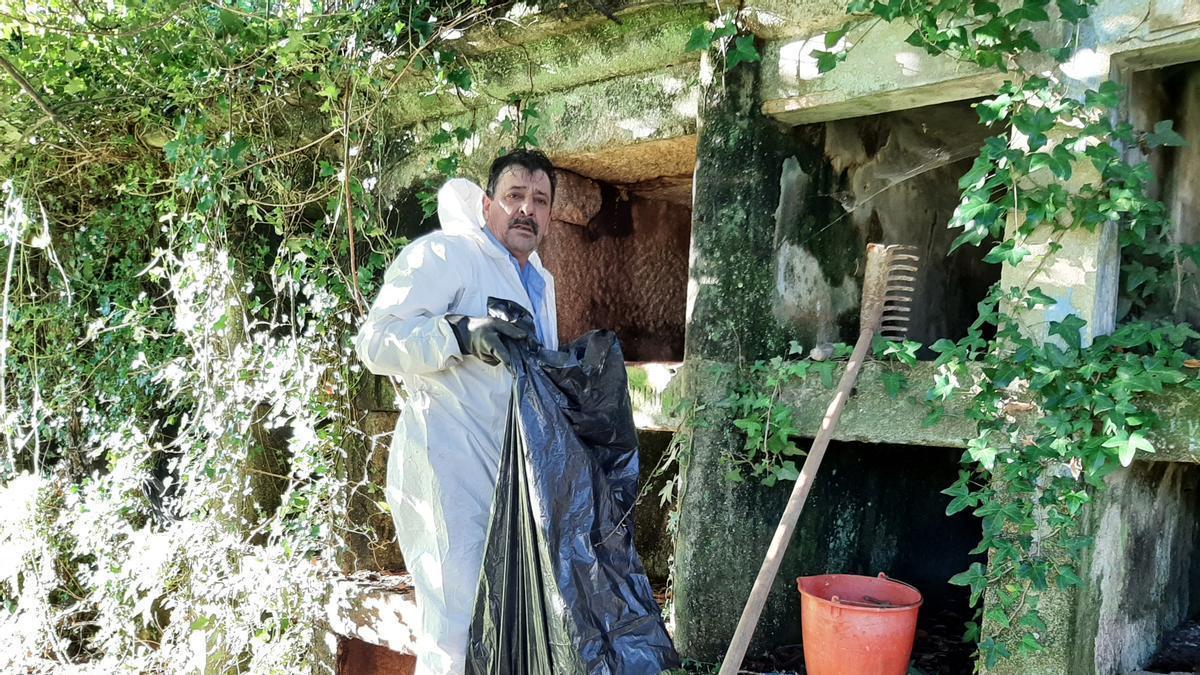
x: 193, y: 219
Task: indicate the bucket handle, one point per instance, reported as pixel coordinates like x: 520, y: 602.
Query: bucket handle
x: 871, y: 603
x: 885, y: 577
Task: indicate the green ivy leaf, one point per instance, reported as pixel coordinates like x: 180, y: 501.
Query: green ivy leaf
x: 827, y: 61
x: 743, y: 51
x: 1073, y: 11
x: 974, y: 578
x: 1164, y: 134
x: 835, y: 36
x: 983, y: 452
x: 1007, y: 251
x: 1128, y: 446
x: 700, y: 39
x: 1069, y: 330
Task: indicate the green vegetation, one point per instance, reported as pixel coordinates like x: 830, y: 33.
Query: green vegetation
x: 192, y: 223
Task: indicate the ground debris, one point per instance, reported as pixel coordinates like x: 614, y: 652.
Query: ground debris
x: 1179, y: 651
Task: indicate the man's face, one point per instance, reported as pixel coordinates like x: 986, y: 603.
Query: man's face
x: 518, y: 213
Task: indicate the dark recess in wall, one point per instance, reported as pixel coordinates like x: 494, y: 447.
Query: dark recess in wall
x: 896, y: 179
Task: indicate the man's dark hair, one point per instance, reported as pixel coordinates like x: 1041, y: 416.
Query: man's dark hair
x: 530, y: 160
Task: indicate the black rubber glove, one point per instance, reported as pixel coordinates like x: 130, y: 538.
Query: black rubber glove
x: 485, y: 336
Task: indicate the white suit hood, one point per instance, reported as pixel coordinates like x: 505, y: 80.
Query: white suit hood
x: 460, y: 207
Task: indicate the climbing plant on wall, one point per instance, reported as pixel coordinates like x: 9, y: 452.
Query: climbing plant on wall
x: 1055, y: 414
x: 193, y: 220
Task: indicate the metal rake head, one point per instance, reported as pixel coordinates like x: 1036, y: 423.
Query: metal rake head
x: 888, y: 288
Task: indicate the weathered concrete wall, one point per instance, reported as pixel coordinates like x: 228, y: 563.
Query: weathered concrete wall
x: 625, y: 269
x: 724, y: 528
x: 1140, y: 566
x: 369, y: 534
x: 652, y: 535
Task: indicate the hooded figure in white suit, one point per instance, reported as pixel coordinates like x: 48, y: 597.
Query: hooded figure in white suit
x: 428, y: 327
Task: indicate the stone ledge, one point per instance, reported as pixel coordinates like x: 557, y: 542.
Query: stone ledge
x: 651, y: 391
x: 376, y: 609
x: 872, y: 416
x: 882, y: 73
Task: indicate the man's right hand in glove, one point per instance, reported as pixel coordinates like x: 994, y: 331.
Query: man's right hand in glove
x: 485, y: 337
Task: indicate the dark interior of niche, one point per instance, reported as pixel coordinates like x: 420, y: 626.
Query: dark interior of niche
x: 878, y: 508
x: 622, y: 266
x: 1179, y: 650
x: 893, y: 179
x: 1170, y: 94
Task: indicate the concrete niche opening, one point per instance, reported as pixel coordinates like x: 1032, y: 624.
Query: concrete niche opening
x: 1173, y: 94
x: 618, y: 248
x: 890, y: 178
x: 878, y: 508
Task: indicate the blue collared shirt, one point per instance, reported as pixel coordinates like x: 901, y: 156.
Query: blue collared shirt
x: 535, y: 286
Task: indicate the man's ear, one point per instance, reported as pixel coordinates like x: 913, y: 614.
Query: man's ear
x: 487, y: 203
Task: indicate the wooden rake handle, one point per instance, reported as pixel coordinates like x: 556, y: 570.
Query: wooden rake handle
x: 795, y: 504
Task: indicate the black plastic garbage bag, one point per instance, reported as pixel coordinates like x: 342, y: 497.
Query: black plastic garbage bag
x: 562, y: 590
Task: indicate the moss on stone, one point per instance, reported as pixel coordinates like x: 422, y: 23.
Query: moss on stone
x: 646, y: 40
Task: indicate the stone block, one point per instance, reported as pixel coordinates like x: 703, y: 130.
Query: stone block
x: 881, y: 74
x: 646, y: 40
x: 576, y: 198
x: 377, y: 609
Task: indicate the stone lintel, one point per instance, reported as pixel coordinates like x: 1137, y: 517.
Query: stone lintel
x: 777, y: 19
x: 645, y: 41
x: 882, y: 73
x: 581, y: 128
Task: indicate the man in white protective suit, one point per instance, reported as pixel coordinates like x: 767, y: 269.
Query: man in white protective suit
x: 429, y: 328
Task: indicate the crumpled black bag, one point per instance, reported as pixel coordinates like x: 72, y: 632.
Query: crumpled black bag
x: 562, y: 590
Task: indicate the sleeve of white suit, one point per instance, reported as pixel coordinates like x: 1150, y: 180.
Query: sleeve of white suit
x: 406, y: 330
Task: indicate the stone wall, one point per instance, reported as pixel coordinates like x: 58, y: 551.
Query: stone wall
x: 1141, y: 567
x: 624, y: 269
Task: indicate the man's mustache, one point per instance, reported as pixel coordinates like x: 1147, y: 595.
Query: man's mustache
x: 529, y: 222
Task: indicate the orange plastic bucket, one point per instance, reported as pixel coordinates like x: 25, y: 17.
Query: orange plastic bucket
x: 856, y: 625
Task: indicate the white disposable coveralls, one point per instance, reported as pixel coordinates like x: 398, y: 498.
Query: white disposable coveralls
x: 446, y: 448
